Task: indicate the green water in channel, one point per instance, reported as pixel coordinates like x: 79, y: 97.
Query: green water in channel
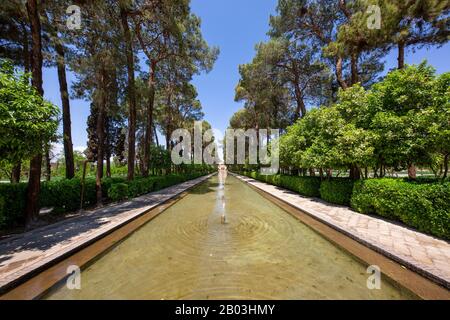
x: 261, y: 252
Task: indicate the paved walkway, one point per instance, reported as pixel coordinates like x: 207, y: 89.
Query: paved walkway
x: 21, y: 254
x: 422, y: 253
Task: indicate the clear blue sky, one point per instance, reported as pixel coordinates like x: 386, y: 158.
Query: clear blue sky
x: 235, y: 26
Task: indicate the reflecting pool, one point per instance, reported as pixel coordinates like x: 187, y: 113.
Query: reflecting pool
x: 226, y: 241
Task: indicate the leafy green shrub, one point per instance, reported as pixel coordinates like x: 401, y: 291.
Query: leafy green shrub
x: 12, y: 204
x: 140, y: 186
x: 337, y: 190
x: 425, y: 207
x: 423, y: 204
x: 108, y: 182
x: 167, y: 181
x: 64, y: 195
x: 307, y: 186
x: 274, y: 179
x: 118, y: 192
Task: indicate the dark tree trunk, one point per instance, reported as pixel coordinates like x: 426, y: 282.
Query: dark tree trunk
x: 339, y: 75
x: 131, y: 95
x: 15, y: 174
x: 48, y: 165
x: 156, y: 135
x: 412, y: 171
x: 375, y: 172
x: 108, y: 165
x: 167, y: 139
x: 355, y: 173
x: 107, y: 151
x: 34, y: 183
x: 354, y: 68
x: 445, y: 166
x: 401, y: 55
x: 101, y: 135
x: 169, y: 124
x: 149, y: 119
x: 26, y: 50
x: 312, y: 172
x: 67, y: 125
x: 300, y: 111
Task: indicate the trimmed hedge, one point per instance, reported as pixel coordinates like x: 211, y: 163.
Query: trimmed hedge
x: 65, y: 195
x: 140, y: 186
x: 423, y: 204
x: 12, y: 204
x: 118, y: 192
x: 425, y: 207
x: 337, y: 190
x: 307, y: 186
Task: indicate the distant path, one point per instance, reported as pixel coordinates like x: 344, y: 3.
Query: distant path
x: 422, y: 253
x: 22, y: 254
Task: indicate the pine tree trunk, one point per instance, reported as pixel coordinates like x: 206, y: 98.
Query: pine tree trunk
x: 26, y: 50
x: 445, y: 166
x: 15, y: 174
x: 67, y: 125
x: 108, y: 165
x: 401, y: 55
x: 412, y: 171
x: 100, y: 134
x: 339, y: 75
x: 149, y: 119
x: 48, y: 165
x: 131, y: 96
x: 300, y: 111
x: 355, y: 173
x: 354, y: 68
x: 167, y: 139
x: 34, y: 183
x: 156, y: 135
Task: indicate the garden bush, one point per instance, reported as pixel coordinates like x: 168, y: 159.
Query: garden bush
x: 423, y: 204
x: 12, y: 204
x: 118, y: 192
x: 64, y: 195
x: 337, y: 190
x: 306, y: 186
x: 140, y: 186
x: 425, y: 207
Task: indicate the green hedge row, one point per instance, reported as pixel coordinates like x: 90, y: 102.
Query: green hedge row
x: 118, y: 192
x: 337, y: 190
x: 307, y: 186
x: 424, y: 206
x: 65, y: 195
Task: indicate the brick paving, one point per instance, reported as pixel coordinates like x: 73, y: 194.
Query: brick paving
x: 422, y: 253
x: 22, y: 254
